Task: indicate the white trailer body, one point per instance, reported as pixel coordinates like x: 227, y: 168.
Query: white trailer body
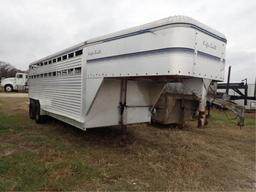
x: 118, y: 78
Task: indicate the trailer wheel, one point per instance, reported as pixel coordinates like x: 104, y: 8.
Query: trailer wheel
x: 8, y: 88
x: 32, y: 110
x: 38, y: 117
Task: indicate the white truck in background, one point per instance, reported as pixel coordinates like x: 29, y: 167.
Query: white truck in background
x: 17, y: 83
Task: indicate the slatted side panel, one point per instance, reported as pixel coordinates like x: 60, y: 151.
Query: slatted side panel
x: 61, y: 94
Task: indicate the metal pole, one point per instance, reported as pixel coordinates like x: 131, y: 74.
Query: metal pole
x: 228, y: 81
x: 122, y: 106
x: 255, y: 89
x: 245, y: 92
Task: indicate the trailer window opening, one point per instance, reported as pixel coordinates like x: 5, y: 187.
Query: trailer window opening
x: 59, y: 59
x: 64, y: 72
x: 78, y: 70
x: 50, y: 62
x: 70, y: 55
x: 54, y: 73
x: 54, y: 61
x: 64, y: 57
x: 70, y: 71
x: 79, y: 52
x: 45, y: 63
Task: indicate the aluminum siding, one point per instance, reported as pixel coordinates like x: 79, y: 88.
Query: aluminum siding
x: 59, y: 93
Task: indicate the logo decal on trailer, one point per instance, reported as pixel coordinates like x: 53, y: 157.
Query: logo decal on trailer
x: 95, y: 52
x: 209, y: 45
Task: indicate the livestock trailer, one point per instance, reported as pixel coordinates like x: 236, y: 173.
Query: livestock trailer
x: 117, y: 79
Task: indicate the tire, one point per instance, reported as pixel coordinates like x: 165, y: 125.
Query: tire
x: 8, y: 88
x: 38, y: 118
x: 32, y: 110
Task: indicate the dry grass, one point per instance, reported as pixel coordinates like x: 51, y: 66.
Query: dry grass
x: 56, y: 156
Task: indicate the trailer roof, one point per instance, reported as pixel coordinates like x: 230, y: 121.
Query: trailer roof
x: 160, y: 23
x: 142, y: 29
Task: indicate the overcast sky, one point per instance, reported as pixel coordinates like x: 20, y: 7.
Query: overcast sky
x: 31, y: 29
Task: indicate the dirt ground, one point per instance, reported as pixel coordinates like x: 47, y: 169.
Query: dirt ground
x: 58, y: 157
x: 13, y: 95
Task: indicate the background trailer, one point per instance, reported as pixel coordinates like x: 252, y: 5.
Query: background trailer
x: 118, y: 79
